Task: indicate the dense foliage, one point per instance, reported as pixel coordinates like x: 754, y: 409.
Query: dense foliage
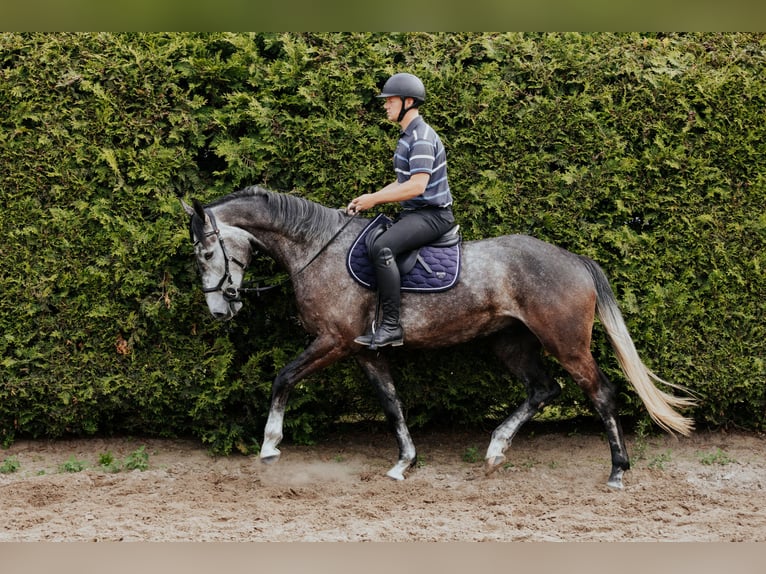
x: 645, y: 152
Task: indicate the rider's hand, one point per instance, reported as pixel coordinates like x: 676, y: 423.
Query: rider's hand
x: 360, y: 204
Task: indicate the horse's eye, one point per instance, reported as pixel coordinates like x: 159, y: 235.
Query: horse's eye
x: 208, y: 256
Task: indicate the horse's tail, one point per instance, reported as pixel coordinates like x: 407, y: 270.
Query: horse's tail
x: 661, y: 405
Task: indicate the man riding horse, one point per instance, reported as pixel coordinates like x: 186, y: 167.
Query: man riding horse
x: 422, y: 189
x: 522, y: 295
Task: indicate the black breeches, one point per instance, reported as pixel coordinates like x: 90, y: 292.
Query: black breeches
x: 413, y: 229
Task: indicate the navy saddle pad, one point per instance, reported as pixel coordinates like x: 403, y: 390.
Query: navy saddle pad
x: 430, y: 269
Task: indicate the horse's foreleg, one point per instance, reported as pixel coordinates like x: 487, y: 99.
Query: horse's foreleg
x: 272, y: 435
x: 377, y: 371
x: 321, y: 353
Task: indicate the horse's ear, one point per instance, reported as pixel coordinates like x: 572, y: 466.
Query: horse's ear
x: 199, y: 209
x: 187, y: 208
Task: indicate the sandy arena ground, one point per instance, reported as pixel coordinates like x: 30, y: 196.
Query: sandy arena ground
x: 707, y: 488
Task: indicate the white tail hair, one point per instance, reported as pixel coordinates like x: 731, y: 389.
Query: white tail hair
x: 660, y: 404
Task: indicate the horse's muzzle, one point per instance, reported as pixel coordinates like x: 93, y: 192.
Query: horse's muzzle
x: 231, y: 295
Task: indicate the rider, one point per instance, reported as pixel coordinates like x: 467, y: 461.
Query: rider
x: 422, y: 189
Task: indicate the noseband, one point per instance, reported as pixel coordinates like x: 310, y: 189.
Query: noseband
x: 230, y: 294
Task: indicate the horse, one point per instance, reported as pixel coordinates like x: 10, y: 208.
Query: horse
x: 523, y: 295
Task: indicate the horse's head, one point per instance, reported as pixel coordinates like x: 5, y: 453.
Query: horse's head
x: 223, y: 253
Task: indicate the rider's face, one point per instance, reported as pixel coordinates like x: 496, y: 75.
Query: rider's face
x: 393, y: 105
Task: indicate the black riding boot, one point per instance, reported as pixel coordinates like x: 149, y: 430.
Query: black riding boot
x: 389, y: 290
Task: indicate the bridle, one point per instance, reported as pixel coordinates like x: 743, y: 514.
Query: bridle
x: 231, y: 293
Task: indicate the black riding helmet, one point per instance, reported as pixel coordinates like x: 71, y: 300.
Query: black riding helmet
x: 405, y: 86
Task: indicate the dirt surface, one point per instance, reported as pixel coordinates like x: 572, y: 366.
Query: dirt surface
x: 710, y: 487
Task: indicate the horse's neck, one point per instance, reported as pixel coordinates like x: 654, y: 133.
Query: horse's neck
x: 290, y: 246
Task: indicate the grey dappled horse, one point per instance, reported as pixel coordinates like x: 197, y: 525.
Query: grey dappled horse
x: 521, y: 293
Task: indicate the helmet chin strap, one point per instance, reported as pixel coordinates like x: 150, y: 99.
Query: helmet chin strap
x: 405, y: 109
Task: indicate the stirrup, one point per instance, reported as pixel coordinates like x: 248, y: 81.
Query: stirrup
x: 367, y: 338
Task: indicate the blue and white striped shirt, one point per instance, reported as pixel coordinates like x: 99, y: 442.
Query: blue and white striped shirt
x: 420, y: 150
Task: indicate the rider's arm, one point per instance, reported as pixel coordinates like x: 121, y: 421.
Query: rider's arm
x: 393, y: 192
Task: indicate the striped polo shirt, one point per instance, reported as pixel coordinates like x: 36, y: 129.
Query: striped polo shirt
x: 421, y: 151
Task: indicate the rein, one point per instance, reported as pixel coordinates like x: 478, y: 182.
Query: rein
x: 231, y: 294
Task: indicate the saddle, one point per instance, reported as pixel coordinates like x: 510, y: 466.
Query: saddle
x: 429, y: 269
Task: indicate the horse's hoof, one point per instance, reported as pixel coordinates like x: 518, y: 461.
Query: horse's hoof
x: 493, y: 464
x: 615, y: 484
x: 395, y: 474
x: 270, y: 455
x: 615, y: 480
x: 269, y: 460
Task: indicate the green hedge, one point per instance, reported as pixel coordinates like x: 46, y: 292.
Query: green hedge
x: 645, y: 152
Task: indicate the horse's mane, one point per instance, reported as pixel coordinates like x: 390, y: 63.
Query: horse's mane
x: 291, y: 213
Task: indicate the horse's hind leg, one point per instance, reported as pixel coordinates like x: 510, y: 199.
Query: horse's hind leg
x: 601, y: 392
x: 519, y: 350
x: 568, y: 338
x: 377, y: 370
